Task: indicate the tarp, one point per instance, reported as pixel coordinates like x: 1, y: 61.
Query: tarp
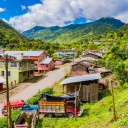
x: 60, y: 97
x: 14, y: 103
x: 2, y: 79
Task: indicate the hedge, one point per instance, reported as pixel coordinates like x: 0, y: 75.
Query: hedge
x: 34, y: 99
x: 3, y: 121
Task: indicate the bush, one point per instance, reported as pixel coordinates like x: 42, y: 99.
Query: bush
x: 3, y: 121
x: 104, y: 94
x: 34, y: 99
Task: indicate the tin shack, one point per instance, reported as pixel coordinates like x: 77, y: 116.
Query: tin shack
x: 87, y: 85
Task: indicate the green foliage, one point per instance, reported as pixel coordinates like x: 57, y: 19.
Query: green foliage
x: 3, y: 121
x: 34, y: 99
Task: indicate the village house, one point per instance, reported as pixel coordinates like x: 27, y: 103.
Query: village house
x: 2, y: 80
x: 19, y: 69
x: 38, y: 56
x: 98, y: 69
x: 66, y: 53
x: 91, y: 56
x: 80, y: 68
x: 46, y: 64
x: 87, y: 85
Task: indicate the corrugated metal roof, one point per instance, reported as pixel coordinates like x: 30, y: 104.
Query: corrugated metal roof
x: 46, y: 61
x: 76, y: 79
x: 25, y: 53
x: 2, y: 80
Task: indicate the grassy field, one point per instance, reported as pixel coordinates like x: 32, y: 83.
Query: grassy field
x: 96, y: 115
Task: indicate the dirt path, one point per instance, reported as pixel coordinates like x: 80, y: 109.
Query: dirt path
x: 46, y: 81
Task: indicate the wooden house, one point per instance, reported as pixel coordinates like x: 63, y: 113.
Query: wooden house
x: 80, y: 68
x: 87, y: 85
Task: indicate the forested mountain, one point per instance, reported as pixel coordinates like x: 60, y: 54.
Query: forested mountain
x: 74, y: 32
x: 9, y: 35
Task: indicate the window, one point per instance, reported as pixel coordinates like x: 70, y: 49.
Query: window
x: 47, y: 66
x: 50, y: 65
x: 35, y: 64
x: 27, y: 56
x: 32, y: 63
x: 9, y: 73
x: 13, y: 64
x: 21, y: 64
x: 31, y: 72
x: 24, y: 74
x: 36, y: 70
x: 71, y: 104
x: 2, y: 73
x: 41, y: 57
x: 27, y: 64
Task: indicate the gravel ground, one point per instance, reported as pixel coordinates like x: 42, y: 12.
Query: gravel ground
x: 46, y: 81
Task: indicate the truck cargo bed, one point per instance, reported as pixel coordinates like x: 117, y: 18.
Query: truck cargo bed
x: 54, y: 107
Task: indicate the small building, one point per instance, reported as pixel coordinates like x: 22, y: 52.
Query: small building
x: 66, y: 53
x: 80, y: 68
x: 91, y: 56
x: 87, y: 85
x: 1, y: 83
x: 88, y: 62
x: 46, y: 64
x: 98, y: 69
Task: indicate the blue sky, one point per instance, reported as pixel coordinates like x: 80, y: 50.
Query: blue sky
x: 25, y: 14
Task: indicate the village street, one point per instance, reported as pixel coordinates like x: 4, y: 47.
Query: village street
x: 46, y: 81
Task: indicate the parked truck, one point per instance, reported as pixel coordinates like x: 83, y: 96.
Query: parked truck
x: 21, y: 123
x: 18, y: 104
x: 62, y: 105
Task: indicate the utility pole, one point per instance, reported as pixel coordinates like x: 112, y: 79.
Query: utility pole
x: 7, y: 96
x: 113, y: 102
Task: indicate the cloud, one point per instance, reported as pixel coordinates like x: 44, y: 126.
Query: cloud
x: 57, y: 12
x: 23, y: 7
x: 2, y: 9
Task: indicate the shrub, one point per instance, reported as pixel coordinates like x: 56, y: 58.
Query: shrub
x: 34, y: 99
x: 3, y: 121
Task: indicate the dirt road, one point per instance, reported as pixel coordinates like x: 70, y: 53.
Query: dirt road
x: 46, y: 81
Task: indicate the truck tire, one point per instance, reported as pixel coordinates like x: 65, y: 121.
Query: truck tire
x: 70, y: 115
x: 49, y: 115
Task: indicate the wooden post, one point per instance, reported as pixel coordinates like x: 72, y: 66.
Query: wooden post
x: 15, y: 83
x: 38, y: 102
x: 75, y: 102
x: 11, y: 85
x: 79, y: 90
x: 113, y: 102
x: 28, y: 118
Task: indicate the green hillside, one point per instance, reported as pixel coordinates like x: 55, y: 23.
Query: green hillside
x: 9, y: 35
x: 96, y: 115
x: 75, y: 32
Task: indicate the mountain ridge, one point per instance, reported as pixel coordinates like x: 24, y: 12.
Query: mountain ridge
x: 75, y: 32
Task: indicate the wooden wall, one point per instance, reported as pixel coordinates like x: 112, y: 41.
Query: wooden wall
x: 79, y: 67
x: 88, y: 90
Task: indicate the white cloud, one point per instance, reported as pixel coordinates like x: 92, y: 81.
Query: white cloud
x: 2, y: 9
x: 23, y: 7
x: 56, y: 12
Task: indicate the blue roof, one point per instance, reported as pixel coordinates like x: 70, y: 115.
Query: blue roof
x: 76, y: 79
x: 46, y: 61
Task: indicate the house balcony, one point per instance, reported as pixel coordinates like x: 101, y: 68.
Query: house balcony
x: 22, y: 69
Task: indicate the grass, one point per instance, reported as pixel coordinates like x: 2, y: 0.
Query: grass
x: 96, y: 115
